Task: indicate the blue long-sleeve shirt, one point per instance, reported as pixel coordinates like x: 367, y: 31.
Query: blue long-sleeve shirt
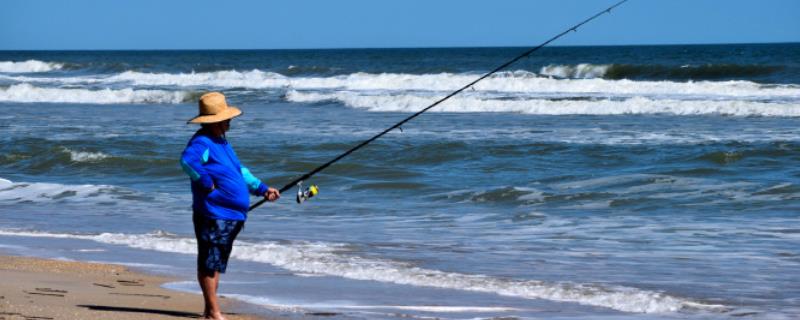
x: 211, y: 163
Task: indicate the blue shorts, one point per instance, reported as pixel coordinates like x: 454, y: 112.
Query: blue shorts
x: 214, y: 242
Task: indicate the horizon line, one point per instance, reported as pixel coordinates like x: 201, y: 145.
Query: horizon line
x: 411, y: 47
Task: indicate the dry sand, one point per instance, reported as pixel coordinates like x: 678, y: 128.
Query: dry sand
x: 43, y: 289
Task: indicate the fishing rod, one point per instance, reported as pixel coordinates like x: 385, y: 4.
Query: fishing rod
x: 303, y: 194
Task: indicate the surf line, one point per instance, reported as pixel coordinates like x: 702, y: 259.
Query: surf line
x: 312, y: 190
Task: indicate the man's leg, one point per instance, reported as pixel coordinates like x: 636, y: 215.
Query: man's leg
x: 209, y: 282
x: 214, y: 245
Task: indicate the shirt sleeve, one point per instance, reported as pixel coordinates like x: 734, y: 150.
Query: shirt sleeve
x: 254, y: 185
x: 192, y: 160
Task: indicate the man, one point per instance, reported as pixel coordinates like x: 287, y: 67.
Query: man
x: 221, y: 189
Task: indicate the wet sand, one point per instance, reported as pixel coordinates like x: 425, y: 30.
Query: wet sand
x: 41, y: 289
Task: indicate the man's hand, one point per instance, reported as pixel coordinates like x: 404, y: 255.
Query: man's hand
x: 272, y: 194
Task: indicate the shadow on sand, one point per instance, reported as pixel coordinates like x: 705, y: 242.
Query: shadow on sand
x: 142, y: 310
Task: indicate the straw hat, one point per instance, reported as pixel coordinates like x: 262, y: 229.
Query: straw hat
x: 213, y: 108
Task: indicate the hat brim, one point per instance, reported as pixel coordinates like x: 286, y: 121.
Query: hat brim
x: 229, y: 113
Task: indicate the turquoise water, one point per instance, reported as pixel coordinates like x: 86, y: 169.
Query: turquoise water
x: 603, y: 182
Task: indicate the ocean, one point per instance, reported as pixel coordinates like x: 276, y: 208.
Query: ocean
x: 618, y: 182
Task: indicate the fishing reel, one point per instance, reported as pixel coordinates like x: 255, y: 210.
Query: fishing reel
x: 307, y: 193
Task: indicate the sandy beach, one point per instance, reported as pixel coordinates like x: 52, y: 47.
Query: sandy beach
x: 35, y: 288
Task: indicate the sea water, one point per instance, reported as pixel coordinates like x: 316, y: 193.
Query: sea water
x: 639, y: 182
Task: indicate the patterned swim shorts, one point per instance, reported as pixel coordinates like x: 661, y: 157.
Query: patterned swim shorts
x: 214, y: 242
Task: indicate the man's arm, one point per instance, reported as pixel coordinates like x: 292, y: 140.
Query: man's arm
x: 258, y: 188
x: 254, y: 185
x: 192, y: 160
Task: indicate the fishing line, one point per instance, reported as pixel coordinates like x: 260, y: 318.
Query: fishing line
x: 312, y: 190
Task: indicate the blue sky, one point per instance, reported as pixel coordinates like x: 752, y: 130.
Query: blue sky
x: 252, y: 24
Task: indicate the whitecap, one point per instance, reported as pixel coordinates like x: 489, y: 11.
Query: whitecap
x: 28, y: 66
x: 580, y: 71
x: 28, y: 93
x: 85, y: 156
x: 48, y: 192
x: 636, y: 105
x: 228, y: 78
x: 587, y: 83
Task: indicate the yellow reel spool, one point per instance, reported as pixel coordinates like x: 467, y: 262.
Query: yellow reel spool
x: 303, y: 195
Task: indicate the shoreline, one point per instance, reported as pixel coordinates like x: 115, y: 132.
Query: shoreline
x: 37, y: 288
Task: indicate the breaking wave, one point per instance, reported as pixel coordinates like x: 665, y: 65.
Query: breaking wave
x: 28, y: 66
x: 227, y: 79
x: 636, y: 105
x: 37, y: 192
x: 567, y: 89
x: 633, y: 71
x: 28, y: 93
x: 85, y: 156
x: 333, y: 259
x: 503, y: 82
x: 579, y: 71
x: 517, y: 81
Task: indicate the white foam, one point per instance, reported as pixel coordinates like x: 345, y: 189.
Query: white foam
x: 85, y: 156
x: 230, y: 78
x: 439, y: 309
x: 580, y: 71
x: 286, y: 306
x: 526, y: 82
x: 27, y: 93
x: 503, y: 82
x: 28, y: 66
x: 513, y: 91
x: 637, y: 105
x: 91, y: 250
x: 48, y: 192
x: 259, y: 300
x: 72, y: 80
x: 329, y: 259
